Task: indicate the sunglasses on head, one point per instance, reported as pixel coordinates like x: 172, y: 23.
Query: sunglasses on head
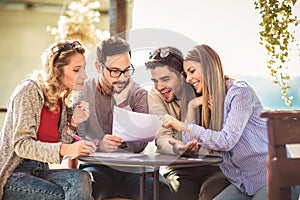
x: 66, y: 47
x: 163, y: 54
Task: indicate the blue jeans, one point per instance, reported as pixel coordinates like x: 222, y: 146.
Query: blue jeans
x: 33, y: 180
x: 233, y: 193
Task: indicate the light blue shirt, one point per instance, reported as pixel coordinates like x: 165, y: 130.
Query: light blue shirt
x: 243, y: 140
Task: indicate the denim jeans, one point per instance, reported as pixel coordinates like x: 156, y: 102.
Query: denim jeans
x: 233, y: 193
x: 33, y: 180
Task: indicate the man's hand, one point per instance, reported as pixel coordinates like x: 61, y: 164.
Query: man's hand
x: 123, y: 95
x: 187, y: 149
x: 110, y: 143
x: 171, y: 122
x: 81, y: 113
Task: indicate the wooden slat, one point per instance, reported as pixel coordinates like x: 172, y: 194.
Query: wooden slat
x: 279, y: 152
x: 285, y: 131
x: 282, y: 174
x: 281, y: 114
x: 287, y: 172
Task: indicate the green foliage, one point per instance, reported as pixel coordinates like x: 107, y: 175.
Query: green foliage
x: 276, y: 37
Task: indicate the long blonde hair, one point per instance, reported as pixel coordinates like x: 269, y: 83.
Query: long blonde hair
x: 54, y: 58
x: 214, y: 85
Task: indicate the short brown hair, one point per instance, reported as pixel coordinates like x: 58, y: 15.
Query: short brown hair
x: 112, y: 46
x: 173, y: 59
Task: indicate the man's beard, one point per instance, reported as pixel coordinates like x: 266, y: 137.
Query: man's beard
x: 122, y: 84
x: 119, y: 86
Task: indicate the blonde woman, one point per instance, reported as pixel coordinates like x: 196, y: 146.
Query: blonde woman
x: 38, y: 129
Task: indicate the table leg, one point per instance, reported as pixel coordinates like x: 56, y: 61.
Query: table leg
x: 156, y: 184
x: 142, y: 184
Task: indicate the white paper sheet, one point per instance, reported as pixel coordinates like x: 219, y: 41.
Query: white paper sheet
x: 133, y: 126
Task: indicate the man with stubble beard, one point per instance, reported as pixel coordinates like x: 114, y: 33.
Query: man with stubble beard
x: 115, y: 87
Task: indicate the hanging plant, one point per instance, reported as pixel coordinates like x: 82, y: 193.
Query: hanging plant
x: 277, y: 22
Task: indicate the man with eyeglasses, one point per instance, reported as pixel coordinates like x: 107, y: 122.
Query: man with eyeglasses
x: 114, y: 87
x: 171, y: 95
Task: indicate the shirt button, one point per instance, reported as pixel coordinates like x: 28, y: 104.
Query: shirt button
x: 237, y: 171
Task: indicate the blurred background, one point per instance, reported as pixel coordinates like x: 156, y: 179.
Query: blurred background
x: 27, y: 27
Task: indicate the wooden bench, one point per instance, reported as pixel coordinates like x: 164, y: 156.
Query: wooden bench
x: 283, y: 171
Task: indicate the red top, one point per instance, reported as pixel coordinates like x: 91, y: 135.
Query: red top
x: 48, y: 130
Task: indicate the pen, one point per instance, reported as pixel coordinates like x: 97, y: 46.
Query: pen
x: 76, y: 137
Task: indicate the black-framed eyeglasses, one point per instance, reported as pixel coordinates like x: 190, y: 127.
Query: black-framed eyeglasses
x: 66, y: 47
x: 115, y: 73
x: 162, y: 54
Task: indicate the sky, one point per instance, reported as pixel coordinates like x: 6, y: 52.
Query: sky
x: 231, y: 28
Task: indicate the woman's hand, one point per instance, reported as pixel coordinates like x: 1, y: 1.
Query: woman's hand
x: 110, y: 143
x: 195, y: 102
x: 187, y: 149
x: 81, y: 113
x: 79, y: 148
x: 198, y: 101
x: 171, y: 122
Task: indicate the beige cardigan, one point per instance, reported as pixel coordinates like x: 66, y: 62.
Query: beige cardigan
x: 18, y: 138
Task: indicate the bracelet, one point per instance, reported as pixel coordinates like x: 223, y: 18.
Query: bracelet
x: 73, y: 128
